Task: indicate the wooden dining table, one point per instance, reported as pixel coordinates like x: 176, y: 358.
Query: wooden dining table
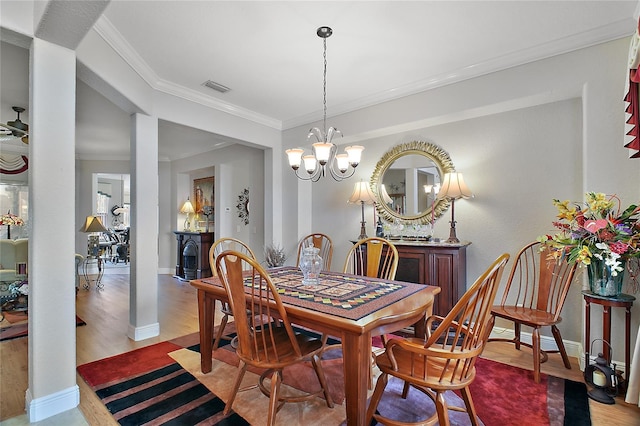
x: 351, y: 307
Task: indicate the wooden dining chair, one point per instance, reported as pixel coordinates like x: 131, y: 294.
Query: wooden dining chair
x: 220, y: 245
x: 534, y: 295
x: 446, y: 359
x: 266, y: 338
x: 323, y: 243
x: 373, y: 257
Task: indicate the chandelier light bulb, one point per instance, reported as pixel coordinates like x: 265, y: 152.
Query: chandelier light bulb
x: 355, y: 153
x: 343, y: 162
x: 295, y: 157
x: 310, y: 163
x: 323, y: 152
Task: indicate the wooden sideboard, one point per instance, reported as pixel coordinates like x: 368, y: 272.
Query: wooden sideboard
x: 203, y: 240
x: 440, y: 264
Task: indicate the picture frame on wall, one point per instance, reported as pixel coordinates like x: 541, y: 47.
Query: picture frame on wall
x: 203, y: 195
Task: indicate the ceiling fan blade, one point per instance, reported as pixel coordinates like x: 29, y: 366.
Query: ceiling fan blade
x: 7, y: 133
x: 21, y: 130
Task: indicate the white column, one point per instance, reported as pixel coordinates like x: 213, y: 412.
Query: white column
x: 143, y: 301
x: 52, y: 326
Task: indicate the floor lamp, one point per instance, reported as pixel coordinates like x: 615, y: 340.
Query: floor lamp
x: 362, y: 194
x: 453, y: 188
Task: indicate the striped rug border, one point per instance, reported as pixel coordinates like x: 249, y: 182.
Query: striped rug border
x: 167, y: 395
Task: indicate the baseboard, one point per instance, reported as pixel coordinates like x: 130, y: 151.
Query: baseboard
x: 547, y: 343
x: 50, y: 405
x: 142, y: 333
x: 574, y: 349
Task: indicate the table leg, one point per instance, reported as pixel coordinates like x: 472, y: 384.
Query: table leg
x: 357, y: 362
x: 587, y: 331
x: 85, y: 272
x: 627, y: 343
x: 101, y: 266
x: 606, y: 332
x: 206, y: 316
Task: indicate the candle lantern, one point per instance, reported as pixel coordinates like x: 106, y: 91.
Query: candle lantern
x: 602, y: 377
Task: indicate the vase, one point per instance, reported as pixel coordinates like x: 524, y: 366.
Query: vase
x: 310, y: 265
x: 601, y: 281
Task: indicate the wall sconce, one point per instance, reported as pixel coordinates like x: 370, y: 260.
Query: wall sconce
x: 362, y: 194
x: 453, y: 188
x: 187, y: 208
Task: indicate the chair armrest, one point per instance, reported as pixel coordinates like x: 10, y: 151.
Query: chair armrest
x: 415, y: 345
x: 429, y: 323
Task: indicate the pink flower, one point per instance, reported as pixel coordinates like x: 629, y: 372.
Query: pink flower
x: 618, y: 247
x: 594, y: 226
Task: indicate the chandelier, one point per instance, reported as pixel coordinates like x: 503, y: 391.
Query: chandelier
x: 323, y: 159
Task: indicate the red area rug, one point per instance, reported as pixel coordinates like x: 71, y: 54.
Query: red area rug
x: 22, y: 329
x: 503, y: 395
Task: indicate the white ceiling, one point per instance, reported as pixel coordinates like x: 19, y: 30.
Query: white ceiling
x: 268, y: 53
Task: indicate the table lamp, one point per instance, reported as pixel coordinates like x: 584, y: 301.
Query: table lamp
x: 453, y: 188
x: 362, y: 194
x: 385, y: 195
x: 187, y: 208
x: 93, y: 225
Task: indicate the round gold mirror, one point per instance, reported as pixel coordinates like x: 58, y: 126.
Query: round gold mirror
x: 406, y: 180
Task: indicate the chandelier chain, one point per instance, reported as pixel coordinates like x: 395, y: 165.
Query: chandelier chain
x: 324, y: 91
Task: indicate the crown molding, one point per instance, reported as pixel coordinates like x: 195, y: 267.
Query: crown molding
x: 197, y: 97
x: 119, y: 44
x: 603, y: 34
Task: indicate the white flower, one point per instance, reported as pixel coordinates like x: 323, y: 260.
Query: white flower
x: 614, y: 263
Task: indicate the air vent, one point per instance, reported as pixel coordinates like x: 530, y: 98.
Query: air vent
x: 216, y: 86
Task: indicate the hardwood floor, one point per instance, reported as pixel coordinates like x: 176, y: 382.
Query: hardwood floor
x: 107, y: 318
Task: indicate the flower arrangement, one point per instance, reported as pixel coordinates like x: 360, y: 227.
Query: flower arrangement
x: 596, y: 229
x: 11, y: 219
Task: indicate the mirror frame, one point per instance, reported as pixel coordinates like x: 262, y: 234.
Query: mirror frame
x: 433, y: 152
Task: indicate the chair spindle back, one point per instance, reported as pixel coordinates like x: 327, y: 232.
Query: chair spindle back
x: 538, y: 281
x: 373, y: 257
x: 261, y: 319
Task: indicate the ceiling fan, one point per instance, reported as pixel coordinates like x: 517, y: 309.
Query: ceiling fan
x: 15, y: 129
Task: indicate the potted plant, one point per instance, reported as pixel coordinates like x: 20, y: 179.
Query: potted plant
x: 274, y: 256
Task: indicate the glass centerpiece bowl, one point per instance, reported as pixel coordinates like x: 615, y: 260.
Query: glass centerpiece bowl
x: 598, y: 235
x: 310, y: 265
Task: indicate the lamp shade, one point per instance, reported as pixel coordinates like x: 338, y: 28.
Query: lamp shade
x: 187, y: 207
x: 93, y: 224
x: 362, y: 193
x: 453, y: 187
x: 385, y: 195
